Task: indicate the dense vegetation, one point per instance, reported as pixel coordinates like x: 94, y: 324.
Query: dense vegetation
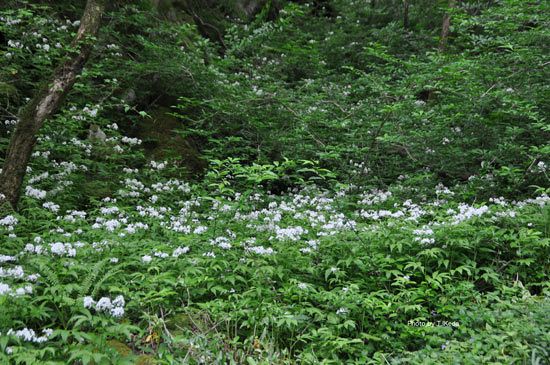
x: 281, y: 182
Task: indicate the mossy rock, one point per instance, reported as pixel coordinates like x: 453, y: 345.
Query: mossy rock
x: 161, y: 140
x: 192, y: 320
x: 121, y: 348
x: 146, y: 360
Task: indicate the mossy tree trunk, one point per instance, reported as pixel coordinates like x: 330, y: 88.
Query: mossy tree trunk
x: 446, y: 26
x: 47, y: 102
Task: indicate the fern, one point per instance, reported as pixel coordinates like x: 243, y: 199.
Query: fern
x: 99, y: 283
x: 49, y: 275
x: 91, y: 277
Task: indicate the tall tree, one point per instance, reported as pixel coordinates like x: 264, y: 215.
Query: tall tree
x: 46, y: 103
x: 445, y: 26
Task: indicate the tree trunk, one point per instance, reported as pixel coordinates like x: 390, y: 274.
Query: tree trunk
x: 45, y: 103
x: 445, y: 27
x: 406, y: 14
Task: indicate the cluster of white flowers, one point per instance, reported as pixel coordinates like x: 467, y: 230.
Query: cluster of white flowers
x: 180, y: 251
x: 73, y: 215
x: 441, y: 189
x: 337, y: 222
x: 342, y: 311
x: 221, y: 242
x: 14, y: 44
x: 413, y: 211
x: 35, y: 249
x: 29, y: 335
x: 92, y: 112
x: 379, y: 214
x: 114, y: 50
x: 466, y: 212
x: 312, y: 246
x: 499, y: 201
x: 541, y: 201
x: 133, y: 188
x: 131, y: 141
x: 424, y: 235
x: 51, y: 206
x: 200, y: 229
x: 160, y: 254
x: 152, y: 212
x: 34, y: 193
x: 109, y: 210
x: 134, y: 227
x: 541, y: 167
x: 43, y: 154
x: 375, y: 197
x: 408, y: 211
x: 10, y: 21
x: 39, y: 177
x: 158, y: 165
x: 260, y: 250
x: 171, y: 186
x: 114, y: 307
x: 16, y: 272
x: 505, y: 214
x: 110, y: 225
x: 5, y: 289
x: 6, y: 258
x: 289, y: 233
x: 45, y: 46
x: 9, y: 222
x: 62, y: 249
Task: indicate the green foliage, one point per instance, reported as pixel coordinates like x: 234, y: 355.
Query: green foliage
x: 229, y: 176
x: 341, y: 292
x: 301, y: 166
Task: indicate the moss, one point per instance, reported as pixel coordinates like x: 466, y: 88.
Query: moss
x: 162, y: 141
x: 146, y: 360
x: 8, y: 91
x: 193, y: 320
x: 121, y: 348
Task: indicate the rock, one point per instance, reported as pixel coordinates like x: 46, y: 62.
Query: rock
x: 161, y: 140
x: 120, y: 347
x: 146, y: 360
x: 129, y: 96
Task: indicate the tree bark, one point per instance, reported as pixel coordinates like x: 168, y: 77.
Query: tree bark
x: 45, y: 103
x: 445, y: 27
